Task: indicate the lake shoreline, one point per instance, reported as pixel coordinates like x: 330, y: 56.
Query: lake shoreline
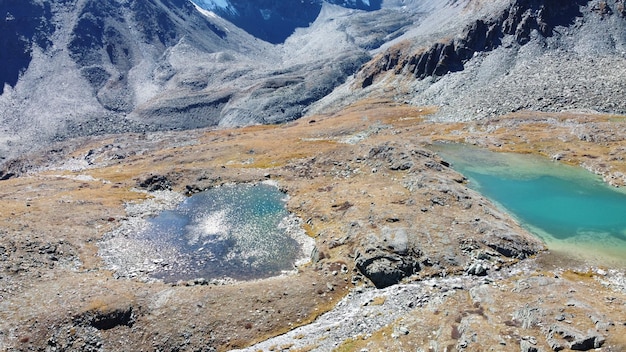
x: 571, y: 196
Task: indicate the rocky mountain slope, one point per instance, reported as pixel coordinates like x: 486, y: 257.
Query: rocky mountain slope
x: 90, y: 67
x: 83, y: 67
x: 522, y: 55
x: 100, y: 61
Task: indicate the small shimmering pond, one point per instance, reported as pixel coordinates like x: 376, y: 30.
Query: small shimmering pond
x: 570, y: 208
x: 235, y: 231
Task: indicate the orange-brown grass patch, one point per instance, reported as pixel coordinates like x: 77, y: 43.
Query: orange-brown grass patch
x: 107, y: 303
x: 575, y: 275
x: 378, y: 301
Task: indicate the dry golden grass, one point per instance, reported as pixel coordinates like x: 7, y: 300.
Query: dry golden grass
x: 108, y: 303
x: 574, y: 275
x: 378, y: 301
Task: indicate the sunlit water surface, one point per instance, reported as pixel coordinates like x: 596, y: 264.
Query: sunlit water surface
x: 237, y: 231
x: 571, y: 209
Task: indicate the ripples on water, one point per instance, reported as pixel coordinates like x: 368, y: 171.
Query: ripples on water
x: 237, y: 231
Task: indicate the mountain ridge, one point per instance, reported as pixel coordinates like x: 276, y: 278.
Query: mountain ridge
x: 444, y: 57
x: 118, y: 66
x: 576, y: 64
x: 275, y: 21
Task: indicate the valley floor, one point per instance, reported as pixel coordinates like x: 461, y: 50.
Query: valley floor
x: 368, y: 190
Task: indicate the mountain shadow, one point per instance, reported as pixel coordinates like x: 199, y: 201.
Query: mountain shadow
x: 23, y: 24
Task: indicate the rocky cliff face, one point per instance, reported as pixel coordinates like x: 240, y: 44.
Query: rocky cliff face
x: 478, y: 60
x: 520, y: 20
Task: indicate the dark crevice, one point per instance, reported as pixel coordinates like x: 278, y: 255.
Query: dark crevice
x: 112, y: 319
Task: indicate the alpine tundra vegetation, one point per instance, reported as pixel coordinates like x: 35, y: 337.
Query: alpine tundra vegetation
x: 265, y: 175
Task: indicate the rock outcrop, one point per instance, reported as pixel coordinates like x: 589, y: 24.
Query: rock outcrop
x: 156, y: 183
x: 393, y: 246
x: 560, y: 337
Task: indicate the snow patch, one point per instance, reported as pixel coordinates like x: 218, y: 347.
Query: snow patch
x: 206, y: 13
x: 212, y: 5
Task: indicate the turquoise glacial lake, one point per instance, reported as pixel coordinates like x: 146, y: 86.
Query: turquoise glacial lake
x: 236, y: 231
x: 569, y: 208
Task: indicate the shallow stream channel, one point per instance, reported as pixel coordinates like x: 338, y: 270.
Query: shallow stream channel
x: 239, y: 231
x: 572, y: 210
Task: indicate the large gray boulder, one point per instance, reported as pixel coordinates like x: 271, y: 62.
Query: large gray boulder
x: 387, y: 258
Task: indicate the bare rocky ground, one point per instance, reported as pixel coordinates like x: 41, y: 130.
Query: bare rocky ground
x: 407, y: 257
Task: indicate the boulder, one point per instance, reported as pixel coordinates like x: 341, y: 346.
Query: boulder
x: 478, y: 268
x: 384, y: 269
x: 388, y: 257
x: 510, y: 244
x: 156, y: 183
x: 587, y: 342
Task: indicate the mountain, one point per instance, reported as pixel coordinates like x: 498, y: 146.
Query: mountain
x: 80, y: 66
x: 407, y: 255
x: 84, y: 67
x: 518, y: 55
